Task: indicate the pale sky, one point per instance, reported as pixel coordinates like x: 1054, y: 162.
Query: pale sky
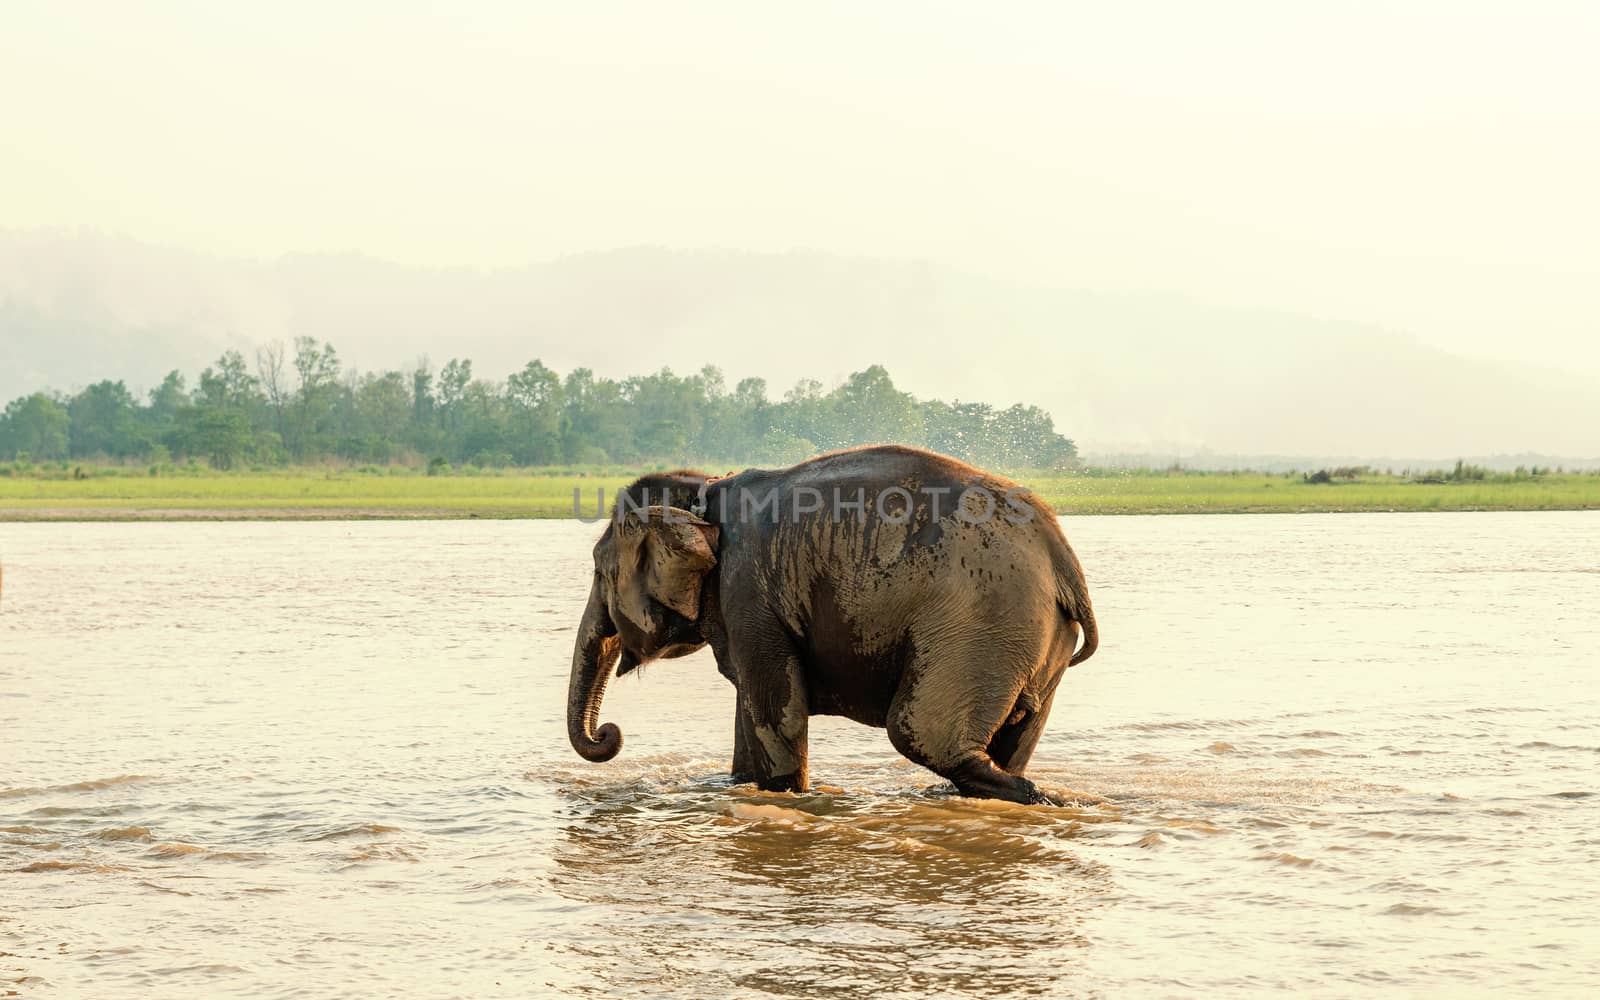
x: 1424, y: 167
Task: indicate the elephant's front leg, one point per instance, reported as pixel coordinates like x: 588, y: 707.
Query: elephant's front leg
x: 774, y: 715
x: 746, y: 766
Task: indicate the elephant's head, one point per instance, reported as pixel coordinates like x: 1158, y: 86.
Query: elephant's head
x: 644, y: 604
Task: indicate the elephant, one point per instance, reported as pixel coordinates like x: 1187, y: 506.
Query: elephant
x: 931, y: 599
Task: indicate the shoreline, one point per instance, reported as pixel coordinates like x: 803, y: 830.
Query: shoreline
x: 267, y: 512
x: 556, y: 494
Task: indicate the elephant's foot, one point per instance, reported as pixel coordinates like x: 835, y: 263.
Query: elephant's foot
x: 974, y: 773
x: 977, y: 777
x: 784, y: 783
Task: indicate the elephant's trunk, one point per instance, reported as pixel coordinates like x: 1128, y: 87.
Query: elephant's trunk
x: 593, y: 657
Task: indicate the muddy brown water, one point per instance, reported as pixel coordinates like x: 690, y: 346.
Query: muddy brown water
x: 1328, y: 752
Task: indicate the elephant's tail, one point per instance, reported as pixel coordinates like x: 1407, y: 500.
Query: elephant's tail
x: 1091, y: 634
x: 1073, y: 597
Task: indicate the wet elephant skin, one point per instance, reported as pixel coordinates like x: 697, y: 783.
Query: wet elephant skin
x: 893, y: 586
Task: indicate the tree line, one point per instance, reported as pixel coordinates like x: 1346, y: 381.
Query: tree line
x: 297, y: 404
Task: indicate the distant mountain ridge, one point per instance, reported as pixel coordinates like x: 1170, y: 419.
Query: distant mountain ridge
x: 1121, y: 373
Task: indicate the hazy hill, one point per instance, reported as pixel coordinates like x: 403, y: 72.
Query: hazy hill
x: 1145, y: 373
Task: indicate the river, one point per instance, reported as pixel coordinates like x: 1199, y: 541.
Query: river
x: 1337, y: 753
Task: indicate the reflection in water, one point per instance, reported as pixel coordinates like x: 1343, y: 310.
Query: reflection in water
x: 1320, y: 752
x: 854, y: 893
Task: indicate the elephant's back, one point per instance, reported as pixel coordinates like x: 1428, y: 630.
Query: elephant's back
x: 881, y: 582
x: 886, y: 561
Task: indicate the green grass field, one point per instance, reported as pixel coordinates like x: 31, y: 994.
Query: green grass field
x: 548, y: 493
x: 1241, y: 493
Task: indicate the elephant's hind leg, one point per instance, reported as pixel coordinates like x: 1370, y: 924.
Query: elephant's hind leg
x: 1013, y: 743
x: 952, y: 737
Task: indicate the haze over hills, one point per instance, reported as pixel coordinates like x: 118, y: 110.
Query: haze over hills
x: 1151, y: 374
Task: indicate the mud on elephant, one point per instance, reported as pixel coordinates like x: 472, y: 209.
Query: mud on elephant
x: 889, y: 585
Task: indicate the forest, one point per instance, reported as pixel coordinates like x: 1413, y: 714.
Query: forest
x: 296, y: 404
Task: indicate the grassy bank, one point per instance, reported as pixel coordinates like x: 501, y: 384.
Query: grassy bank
x: 124, y: 494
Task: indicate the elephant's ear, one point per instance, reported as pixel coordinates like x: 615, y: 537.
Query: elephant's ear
x: 678, y: 550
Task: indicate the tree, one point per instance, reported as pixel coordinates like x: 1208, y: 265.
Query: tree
x: 221, y: 435
x: 781, y: 448
x: 316, y: 369
x: 958, y: 429
x: 229, y: 385
x: 594, y: 427
x: 868, y: 409
x: 483, y: 435
x: 1026, y: 438
x: 453, y: 382
x: 666, y: 414
x: 271, y: 369
x: 424, y: 434
x: 104, y: 421
x: 535, y: 398
x: 300, y: 405
x: 165, y: 402
x: 228, y: 419
x: 804, y: 414
x: 383, y: 409
x: 36, y: 426
x: 737, y: 424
